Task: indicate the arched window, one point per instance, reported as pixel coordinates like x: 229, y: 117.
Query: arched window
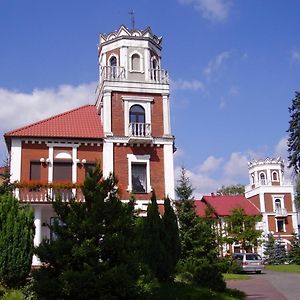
x: 113, y: 61
x: 277, y: 203
x: 136, y: 114
x: 137, y: 120
x: 262, y: 178
x: 274, y: 176
x: 113, y: 67
x: 154, y: 68
x: 135, y: 62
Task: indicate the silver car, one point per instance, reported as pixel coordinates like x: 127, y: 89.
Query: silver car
x: 249, y: 262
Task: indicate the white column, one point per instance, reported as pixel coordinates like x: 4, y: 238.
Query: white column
x: 38, y: 232
x: 147, y: 63
x: 50, y: 164
x: 108, y: 157
x: 166, y: 114
x: 262, y: 202
x: 107, y: 113
x: 15, y: 159
x: 74, y: 165
x: 169, y: 171
x: 269, y: 177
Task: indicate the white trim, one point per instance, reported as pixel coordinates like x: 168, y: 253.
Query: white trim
x: 139, y: 159
x: 15, y: 159
x: 169, y: 171
x: 277, y: 175
x: 147, y: 62
x: 262, y: 202
x: 108, y: 158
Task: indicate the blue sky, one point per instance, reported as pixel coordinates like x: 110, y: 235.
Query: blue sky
x: 234, y: 66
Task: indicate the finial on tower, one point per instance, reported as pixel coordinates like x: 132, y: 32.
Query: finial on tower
x: 132, y: 19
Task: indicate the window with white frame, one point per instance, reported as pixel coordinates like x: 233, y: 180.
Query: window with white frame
x: 137, y: 108
x: 262, y: 177
x: 280, y: 225
x: 278, y: 202
x: 139, y: 173
x: 275, y: 176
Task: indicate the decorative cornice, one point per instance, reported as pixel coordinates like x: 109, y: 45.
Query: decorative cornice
x: 267, y: 161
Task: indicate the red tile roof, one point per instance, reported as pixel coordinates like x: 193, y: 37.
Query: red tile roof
x: 223, y: 205
x: 81, y: 122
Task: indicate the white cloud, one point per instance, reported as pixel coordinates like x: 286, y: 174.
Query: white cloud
x: 295, y: 56
x: 237, y: 165
x: 19, y: 109
x: 234, y: 91
x: 181, y: 84
x: 216, y: 63
x: 213, y: 10
x: 222, y: 103
x: 210, y: 164
x: 281, y: 148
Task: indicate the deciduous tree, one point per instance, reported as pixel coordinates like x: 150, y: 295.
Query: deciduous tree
x: 237, y: 189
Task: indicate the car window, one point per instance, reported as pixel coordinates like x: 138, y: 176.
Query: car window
x: 252, y: 256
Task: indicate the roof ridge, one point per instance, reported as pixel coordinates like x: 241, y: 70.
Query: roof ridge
x: 47, y: 119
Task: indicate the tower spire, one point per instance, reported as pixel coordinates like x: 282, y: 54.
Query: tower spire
x: 132, y: 19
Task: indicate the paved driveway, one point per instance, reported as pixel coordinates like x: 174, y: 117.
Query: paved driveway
x: 269, y: 285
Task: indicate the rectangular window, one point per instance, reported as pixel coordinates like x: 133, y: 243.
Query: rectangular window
x: 139, y: 177
x: 280, y: 225
x: 35, y: 170
x: 88, y: 167
x: 62, y: 171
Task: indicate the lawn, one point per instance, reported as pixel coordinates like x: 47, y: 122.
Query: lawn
x: 182, y: 291
x: 284, y: 268
x: 229, y: 276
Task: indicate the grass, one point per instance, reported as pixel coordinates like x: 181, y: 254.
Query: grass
x: 10, y: 294
x: 230, y: 276
x: 284, y: 268
x: 183, y: 291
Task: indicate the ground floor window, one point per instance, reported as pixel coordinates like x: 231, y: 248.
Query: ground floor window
x: 139, y: 173
x: 280, y: 225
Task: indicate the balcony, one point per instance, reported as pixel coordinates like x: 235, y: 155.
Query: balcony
x: 159, y: 76
x: 139, y: 132
x: 280, y: 212
x: 44, y: 194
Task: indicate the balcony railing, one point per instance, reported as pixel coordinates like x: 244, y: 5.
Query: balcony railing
x: 280, y: 212
x: 119, y: 74
x: 38, y: 195
x: 159, y: 76
x: 112, y: 73
x: 139, y: 130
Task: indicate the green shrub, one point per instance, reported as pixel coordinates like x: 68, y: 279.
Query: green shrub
x: 202, y: 273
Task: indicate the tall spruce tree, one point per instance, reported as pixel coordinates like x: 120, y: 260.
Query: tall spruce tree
x: 294, y: 254
x: 269, y: 251
x: 154, y: 250
x: 16, y: 241
x: 170, y: 239
x: 94, y: 255
x: 294, y: 133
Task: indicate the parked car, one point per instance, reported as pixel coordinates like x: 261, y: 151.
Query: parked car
x: 249, y: 262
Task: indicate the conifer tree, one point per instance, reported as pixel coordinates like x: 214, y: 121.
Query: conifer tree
x: 295, y: 251
x: 170, y: 239
x: 94, y: 255
x: 16, y: 241
x: 270, y: 249
x: 154, y: 251
x: 294, y: 133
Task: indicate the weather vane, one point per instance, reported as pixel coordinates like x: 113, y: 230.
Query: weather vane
x: 132, y: 19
